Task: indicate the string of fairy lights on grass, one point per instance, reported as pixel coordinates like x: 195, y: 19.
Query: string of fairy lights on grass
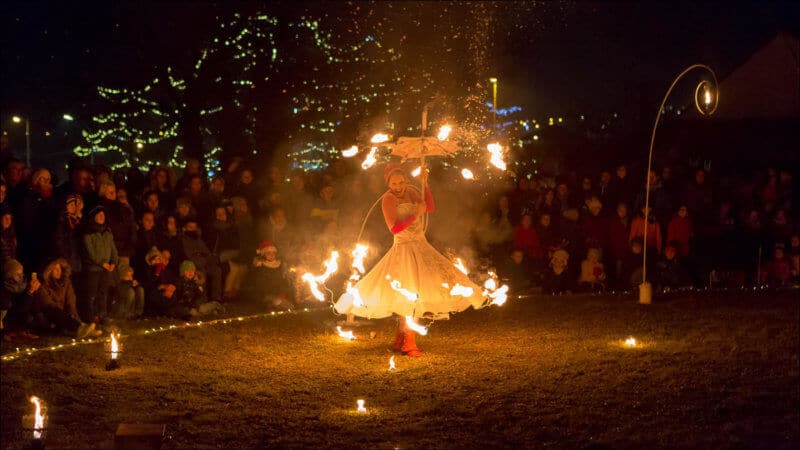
x: 28, y: 351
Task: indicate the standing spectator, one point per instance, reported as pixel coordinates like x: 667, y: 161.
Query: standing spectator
x: 223, y: 240
x: 8, y: 236
x: 526, y: 239
x: 216, y: 191
x: 699, y: 198
x: 548, y: 204
x: 595, y: 226
x: 680, y: 231
x: 151, y: 204
x: 120, y: 221
x: 325, y: 208
x: 191, y: 169
x: 297, y: 196
x: 618, y: 239
x: 247, y: 188
x: 185, y: 212
x: 100, y: 261
x: 199, y: 199
x: 604, y: 190
x: 67, y: 237
x: 55, y: 300
x: 171, y: 241
x: 198, y: 253
x: 36, y: 220
x: 646, y: 219
x: 622, y: 188
x: 162, y: 184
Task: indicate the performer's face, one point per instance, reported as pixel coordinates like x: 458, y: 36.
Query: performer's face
x: 397, y: 184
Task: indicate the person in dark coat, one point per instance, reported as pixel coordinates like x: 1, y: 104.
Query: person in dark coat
x: 100, y: 259
x: 16, y: 302
x: 36, y: 221
x: 558, y: 280
x: 171, y: 241
x: 198, y: 252
x: 269, y: 281
x: 518, y: 271
x: 147, y: 237
x: 120, y: 221
x: 8, y: 236
x: 67, y: 237
x: 669, y: 271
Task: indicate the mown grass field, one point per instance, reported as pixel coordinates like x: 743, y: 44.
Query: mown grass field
x: 714, y: 371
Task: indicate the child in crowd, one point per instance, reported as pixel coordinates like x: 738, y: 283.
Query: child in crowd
x: 670, y: 272
x: 189, y: 299
x: 271, y: 282
x: 631, y: 269
x: 653, y: 230
x: 518, y: 271
x: 128, y: 301
x: 557, y: 280
x: 593, y: 276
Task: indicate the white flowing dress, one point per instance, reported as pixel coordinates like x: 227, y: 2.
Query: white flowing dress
x: 420, y: 269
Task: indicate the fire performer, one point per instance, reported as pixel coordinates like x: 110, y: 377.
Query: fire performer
x: 414, y: 263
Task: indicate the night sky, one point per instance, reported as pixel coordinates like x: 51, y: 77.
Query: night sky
x: 570, y: 56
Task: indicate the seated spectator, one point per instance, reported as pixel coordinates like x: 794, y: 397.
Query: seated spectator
x: 158, y: 285
x: 55, y: 301
x: 518, y: 271
x: 557, y: 280
x: 778, y: 271
x: 670, y: 272
x: 147, y: 237
x: 631, y: 269
x: 270, y: 281
x: 8, y: 236
x: 128, y: 298
x: 593, y: 276
x: 680, y: 231
x: 653, y: 229
x: 189, y: 300
x: 16, y: 302
x: 198, y: 252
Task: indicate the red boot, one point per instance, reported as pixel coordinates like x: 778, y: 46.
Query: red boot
x: 409, y: 347
x: 397, y: 345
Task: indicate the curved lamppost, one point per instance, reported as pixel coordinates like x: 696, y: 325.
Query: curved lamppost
x: 706, y: 99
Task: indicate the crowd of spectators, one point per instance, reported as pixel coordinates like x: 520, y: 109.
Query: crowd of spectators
x: 120, y: 245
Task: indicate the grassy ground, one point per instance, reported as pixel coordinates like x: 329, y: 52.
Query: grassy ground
x: 715, y: 371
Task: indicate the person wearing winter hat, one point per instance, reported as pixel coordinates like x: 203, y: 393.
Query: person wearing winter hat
x: 557, y: 281
x: 269, y: 280
x: 189, y: 300
x: 128, y: 296
x: 67, y: 236
x: 16, y: 301
x: 100, y: 261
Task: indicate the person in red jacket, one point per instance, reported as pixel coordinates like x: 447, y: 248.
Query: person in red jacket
x: 653, y: 229
x: 680, y: 231
x: 526, y: 238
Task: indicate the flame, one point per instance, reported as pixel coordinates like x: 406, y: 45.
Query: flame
x: 412, y: 297
x: 497, y: 295
x: 331, y: 266
x: 707, y: 97
x: 370, y: 160
x: 357, y: 300
x: 361, y: 407
x: 345, y: 334
x: 467, y: 174
x: 460, y: 266
x: 379, y: 138
x: 114, y: 346
x: 38, y: 425
x: 415, y: 173
x: 444, y: 131
x: 350, y: 152
x: 391, y: 363
x: 496, y: 151
x: 359, y: 253
x: 414, y: 326
x: 630, y: 342
x: 464, y: 291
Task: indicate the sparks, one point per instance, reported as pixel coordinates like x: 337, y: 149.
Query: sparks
x: 350, y: 152
x: 346, y: 334
x: 444, y: 131
x: 496, y: 151
x: 467, y: 174
x: 415, y: 173
x: 370, y: 160
x: 379, y: 138
x: 460, y: 266
x: 405, y: 292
